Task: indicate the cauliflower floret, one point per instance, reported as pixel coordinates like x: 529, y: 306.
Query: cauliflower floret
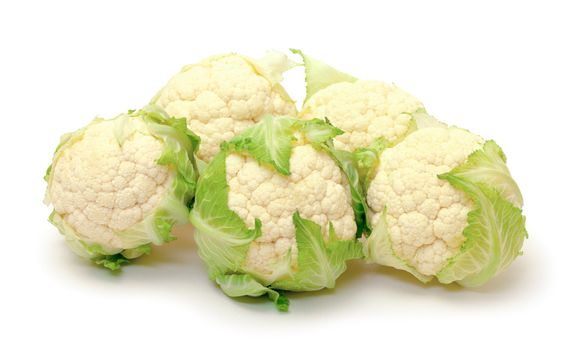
x: 221, y: 96
x: 99, y: 186
x: 365, y: 110
x: 425, y: 215
x: 316, y: 188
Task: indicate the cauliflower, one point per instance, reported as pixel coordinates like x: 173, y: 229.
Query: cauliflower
x: 119, y: 185
x: 444, y: 204
x: 365, y: 110
x: 223, y: 95
x: 278, y: 208
x: 316, y: 188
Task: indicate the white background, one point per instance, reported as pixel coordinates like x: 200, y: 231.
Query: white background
x: 499, y: 69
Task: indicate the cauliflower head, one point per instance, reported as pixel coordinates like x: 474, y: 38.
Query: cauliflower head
x: 365, y: 110
x: 316, y: 188
x: 278, y: 208
x: 225, y: 94
x: 118, y: 185
x: 444, y: 204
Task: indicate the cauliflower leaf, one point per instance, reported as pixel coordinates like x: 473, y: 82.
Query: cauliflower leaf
x: 318, y: 131
x: 320, y: 263
x: 488, y: 166
x: 496, y: 227
x: 221, y: 235
x: 319, y: 75
x: 269, y: 141
x: 347, y: 161
x: 239, y: 285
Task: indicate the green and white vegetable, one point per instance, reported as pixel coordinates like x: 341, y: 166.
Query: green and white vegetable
x: 119, y: 185
x: 366, y: 110
x: 444, y: 205
x: 279, y: 209
x: 285, y: 199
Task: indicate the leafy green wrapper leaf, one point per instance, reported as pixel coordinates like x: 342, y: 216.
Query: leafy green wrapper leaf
x: 367, y: 161
x: 488, y: 166
x: 317, y: 131
x: 319, y: 264
x: 269, y: 141
x: 111, y: 262
x: 236, y: 285
x: 494, y: 237
x: 348, y: 164
x: 221, y: 235
x: 319, y: 75
x: 496, y: 227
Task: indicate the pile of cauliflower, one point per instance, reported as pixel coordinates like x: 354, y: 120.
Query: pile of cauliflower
x: 280, y: 199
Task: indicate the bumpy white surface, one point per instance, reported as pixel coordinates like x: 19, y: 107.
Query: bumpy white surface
x: 99, y: 187
x: 316, y: 187
x: 220, y: 97
x: 425, y: 215
x: 365, y: 110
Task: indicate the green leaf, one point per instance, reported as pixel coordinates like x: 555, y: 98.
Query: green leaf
x: 111, y: 262
x: 270, y: 141
x: 496, y: 227
x: 347, y: 162
x: 319, y: 264
x: 379, y: 249
x: 367, y: 161
x: 488, y: 166
x: 221, y: 235
x: 200, y: 165
x: 318, y: 131
x: 137, y: 252
x: 423, y: 120
x: 494, y: 236
x: 319, y: 75
x: 236, y: 285
x: 162, y: 125
x: 48, y: 173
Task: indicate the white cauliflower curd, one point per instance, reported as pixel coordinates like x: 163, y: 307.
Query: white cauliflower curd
x: 225, y: 94
x: 365, y: 110
x: 316, y: 188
